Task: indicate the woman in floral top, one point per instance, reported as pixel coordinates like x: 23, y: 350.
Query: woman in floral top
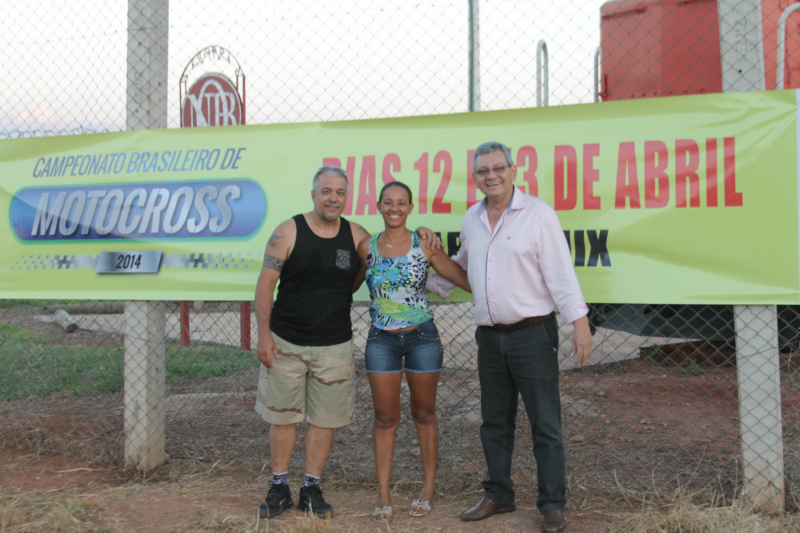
x: 403, y: 337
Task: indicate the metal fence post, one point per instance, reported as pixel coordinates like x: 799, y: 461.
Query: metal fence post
x: 474, y: 56
x: 145, y: 322
x: 760, y: 426
x: 542, y: 74
x: 780, y: 70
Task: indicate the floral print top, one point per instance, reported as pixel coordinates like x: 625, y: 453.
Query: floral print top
x: 397, y: 287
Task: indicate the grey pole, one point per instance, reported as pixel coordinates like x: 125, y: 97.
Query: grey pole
x: 597, y: 75
x: 757, y: 357
x: 542, y: 75
x: 145, y: 321
x: 474, y: 57
x: 781, y: 64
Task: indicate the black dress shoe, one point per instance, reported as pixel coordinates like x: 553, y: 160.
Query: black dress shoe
x: 553, y: 521
x: 485, y: 509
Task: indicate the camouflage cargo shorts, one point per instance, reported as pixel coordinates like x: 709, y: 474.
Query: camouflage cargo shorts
x: 313, y: 383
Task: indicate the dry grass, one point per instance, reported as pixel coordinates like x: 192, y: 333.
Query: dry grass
x: 680, y: 513
x: 39, y: 513
x: 48, y: 513
x: 103, y: 509
x: 685, y: 516
x: 700, y: 512
x: 235, y: 524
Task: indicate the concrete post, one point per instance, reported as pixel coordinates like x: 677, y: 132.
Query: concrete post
x: 145, y: 322
x: 741, y: 45
x: 148, y: 23
x: 145, y: 384
x: 742, y: 50
x: 758, y: 371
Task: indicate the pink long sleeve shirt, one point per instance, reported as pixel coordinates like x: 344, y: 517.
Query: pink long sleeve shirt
x: 522, y: 269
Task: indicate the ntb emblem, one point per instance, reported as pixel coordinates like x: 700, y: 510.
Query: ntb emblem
x: 212, y: 99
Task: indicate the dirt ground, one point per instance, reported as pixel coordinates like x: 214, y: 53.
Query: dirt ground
x: 639, y: 428
x: 641, y: 424
x: 657, y: 421
x: 193, y: 501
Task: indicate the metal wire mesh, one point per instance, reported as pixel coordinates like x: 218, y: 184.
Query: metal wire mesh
x: 658, y: 402
x: 650, y: 408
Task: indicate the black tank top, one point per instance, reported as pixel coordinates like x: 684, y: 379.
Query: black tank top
x: 316, y: 288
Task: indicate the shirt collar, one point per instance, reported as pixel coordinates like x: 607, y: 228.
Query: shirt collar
x: 517, y: 201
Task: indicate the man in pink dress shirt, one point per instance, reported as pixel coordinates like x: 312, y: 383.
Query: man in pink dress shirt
x: 520, y: 269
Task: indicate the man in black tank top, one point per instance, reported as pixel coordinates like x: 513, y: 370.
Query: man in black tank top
x: 305, y: 337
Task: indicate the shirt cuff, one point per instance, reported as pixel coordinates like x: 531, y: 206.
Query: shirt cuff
x: 439, y: 285
x: 574, y: 312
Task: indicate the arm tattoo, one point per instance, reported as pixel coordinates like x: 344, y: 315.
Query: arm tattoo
x: 273, y: 263
x: 274, y: 237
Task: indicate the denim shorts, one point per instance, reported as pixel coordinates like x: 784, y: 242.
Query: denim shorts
x: 417, y: 350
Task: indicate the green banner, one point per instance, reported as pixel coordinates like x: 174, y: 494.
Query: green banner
x: 688, y: 199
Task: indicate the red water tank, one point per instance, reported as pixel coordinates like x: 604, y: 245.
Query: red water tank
x: 670, y: 47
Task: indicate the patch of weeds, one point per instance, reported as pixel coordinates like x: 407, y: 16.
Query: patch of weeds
x: 34, y: 370
x: 6, y: 304
x: 689, y: 368
x: 205, y: 362
x: 19, y: 303
x: 10, y: 334
x: 29, y: 367
x: 591, y: 370
x: 654, y: 353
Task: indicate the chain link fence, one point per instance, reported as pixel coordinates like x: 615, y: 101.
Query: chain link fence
x: 656, y: 407
x: 649, y: 411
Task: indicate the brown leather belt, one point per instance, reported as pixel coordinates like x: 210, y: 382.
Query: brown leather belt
x: 522, y: 324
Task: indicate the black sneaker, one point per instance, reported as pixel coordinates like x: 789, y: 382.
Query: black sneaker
x: 278, y: 499
x: 311, y: 501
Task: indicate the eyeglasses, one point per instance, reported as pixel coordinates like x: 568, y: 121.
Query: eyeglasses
x: 484, y: 172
